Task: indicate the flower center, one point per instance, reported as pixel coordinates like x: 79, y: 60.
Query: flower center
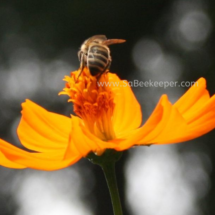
x: 93, y: 102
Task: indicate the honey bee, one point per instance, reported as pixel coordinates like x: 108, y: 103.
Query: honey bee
x: 95, y: 54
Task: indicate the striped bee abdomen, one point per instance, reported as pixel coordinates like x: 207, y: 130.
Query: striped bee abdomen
x: 95, y: 55
x: 98, y: 59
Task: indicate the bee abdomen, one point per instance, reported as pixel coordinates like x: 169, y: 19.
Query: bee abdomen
x: 97, y: 59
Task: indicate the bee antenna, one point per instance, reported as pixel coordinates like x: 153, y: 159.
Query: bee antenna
x: 113, y: 41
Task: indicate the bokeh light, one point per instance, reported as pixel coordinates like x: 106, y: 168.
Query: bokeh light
x: 56, y: 193
x: 161, y: 181
x: 191, y: 25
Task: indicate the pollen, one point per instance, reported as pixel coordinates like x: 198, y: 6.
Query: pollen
x: 93, y: 101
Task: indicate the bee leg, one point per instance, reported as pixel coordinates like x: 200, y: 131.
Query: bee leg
x: 81, y: 70
x: 106, y: 69
x: 81, y: 67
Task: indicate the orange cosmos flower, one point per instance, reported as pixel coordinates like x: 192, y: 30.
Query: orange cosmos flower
x: 108, y: 117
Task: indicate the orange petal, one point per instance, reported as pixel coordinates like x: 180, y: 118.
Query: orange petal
x: 202, y: 120
x: 85, y: 141
x: 127, y: 112
x: 43, y: 131
x: 4, y: 161
x: 151, y: 129
x: 191, y: 99
x: 175, y: 123
x: 14, y: 157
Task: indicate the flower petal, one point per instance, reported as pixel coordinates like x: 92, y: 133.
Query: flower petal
x: 14, y: 157
x: 151, y: 129
x: 192, y: 97
x: 85, y: 141
x: 127, y: 112
x: 43, y: 131
x: 4, y: 161
x: 175, y: 123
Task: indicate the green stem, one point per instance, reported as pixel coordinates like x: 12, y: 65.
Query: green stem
x: 109, y: 171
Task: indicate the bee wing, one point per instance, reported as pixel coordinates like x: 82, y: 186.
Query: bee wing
x: 112, y: 41
x: 102, y: 37
x: 96, y: 37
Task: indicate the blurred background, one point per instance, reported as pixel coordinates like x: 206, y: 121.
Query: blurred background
x: 167, y: 40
